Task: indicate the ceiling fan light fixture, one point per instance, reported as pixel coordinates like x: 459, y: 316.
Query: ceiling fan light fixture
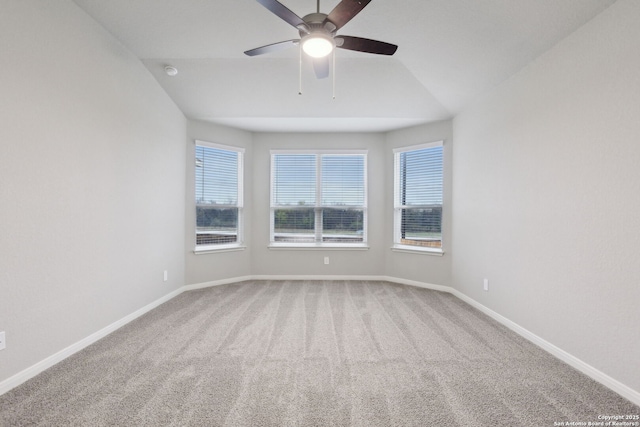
x: 318, y: 45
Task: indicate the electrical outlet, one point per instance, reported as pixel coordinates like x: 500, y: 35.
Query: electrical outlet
x: 326, y: 260
x: 486, y: 284
x: 3, y: 342
x: 166, y: 275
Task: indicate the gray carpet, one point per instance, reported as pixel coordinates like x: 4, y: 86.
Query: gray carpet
x: 312, y: 353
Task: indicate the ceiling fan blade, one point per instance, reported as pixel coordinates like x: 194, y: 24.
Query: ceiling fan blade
x: 345, y: 11
x: 285, y: 14
x: 321, y: 67
x: 274, y: 47
x: 365, y: 45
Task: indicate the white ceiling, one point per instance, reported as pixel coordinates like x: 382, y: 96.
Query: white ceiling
x: 450, y: 51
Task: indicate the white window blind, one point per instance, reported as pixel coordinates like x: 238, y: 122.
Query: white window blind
x: 218, y: 188
x: 418, y: 196
x: 318, y: 198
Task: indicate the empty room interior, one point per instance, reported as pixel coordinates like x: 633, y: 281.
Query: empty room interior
x: 206, y: 222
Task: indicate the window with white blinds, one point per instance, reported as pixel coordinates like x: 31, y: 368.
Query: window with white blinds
x: 318, y: 198
x: 418, y: 193
x: 218, y: 188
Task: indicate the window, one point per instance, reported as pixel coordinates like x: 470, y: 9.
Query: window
x: 418, y: 197
x: 318, y: 198
x: 218, y: 196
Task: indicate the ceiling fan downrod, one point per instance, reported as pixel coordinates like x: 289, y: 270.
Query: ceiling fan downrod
x: 300, y: 69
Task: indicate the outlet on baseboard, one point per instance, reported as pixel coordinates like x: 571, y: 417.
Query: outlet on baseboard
x: 166, y: 275
x: 3, y: 342
x: 326, y: 260
x: 486, y: 284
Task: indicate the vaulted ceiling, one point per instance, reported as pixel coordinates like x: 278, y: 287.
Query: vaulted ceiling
x: 450, y: 52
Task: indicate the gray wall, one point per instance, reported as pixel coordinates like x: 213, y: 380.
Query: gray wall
x: 267, y: 261
x: 92, y: 180
x: 420, y: 267
x: 546, y: 189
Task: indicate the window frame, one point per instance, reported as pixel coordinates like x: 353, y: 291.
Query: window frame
x: 318, y: 206
x: 398, y: 207
x: 239, y: 243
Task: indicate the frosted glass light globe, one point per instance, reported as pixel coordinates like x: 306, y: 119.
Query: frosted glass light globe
x: 317, y: 46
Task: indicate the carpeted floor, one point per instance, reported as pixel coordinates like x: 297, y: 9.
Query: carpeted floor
x: 312, y: 353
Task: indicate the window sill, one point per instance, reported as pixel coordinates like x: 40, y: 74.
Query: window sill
x: 417, y: 250
x: 217, y: 249
x: 292, y: 247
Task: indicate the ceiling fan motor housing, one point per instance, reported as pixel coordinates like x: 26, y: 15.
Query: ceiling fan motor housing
x: 318, y: 23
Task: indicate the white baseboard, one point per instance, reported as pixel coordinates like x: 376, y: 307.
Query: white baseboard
x: 419, y: 284
x: 45, y: 364
x: 214, y: 283
x: 315, y: 277
x: 611, y: 383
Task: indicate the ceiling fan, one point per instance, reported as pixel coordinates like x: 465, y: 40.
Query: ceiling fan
x: 318, y: 33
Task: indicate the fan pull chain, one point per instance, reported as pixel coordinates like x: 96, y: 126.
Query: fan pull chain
x: 300, y: 69
x: 333, y: 74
